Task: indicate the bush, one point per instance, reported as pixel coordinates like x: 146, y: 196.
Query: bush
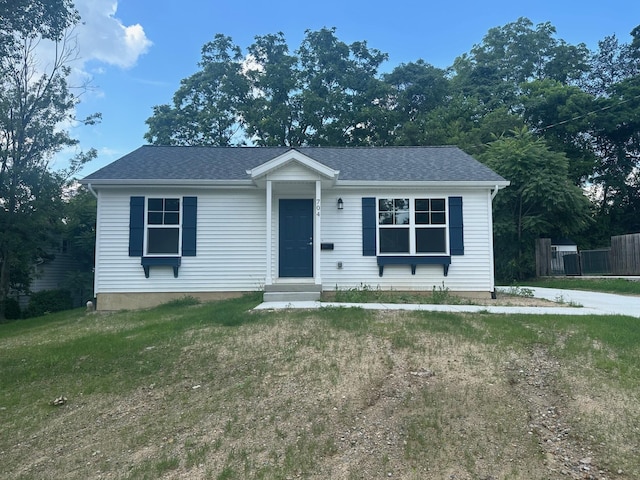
x: 11, y: 309
x: 48, y: 301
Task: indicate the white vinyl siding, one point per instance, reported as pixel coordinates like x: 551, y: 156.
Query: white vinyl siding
x: 230, y: 245
x: 231, y: 242
x: 472, y: 271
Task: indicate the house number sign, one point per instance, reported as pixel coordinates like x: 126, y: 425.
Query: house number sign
x: 317, y: 207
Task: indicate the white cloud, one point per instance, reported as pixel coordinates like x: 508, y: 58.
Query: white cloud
x: 103, y: 37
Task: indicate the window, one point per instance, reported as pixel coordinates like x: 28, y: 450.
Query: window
x: 431, y: 232
x: 412, y: 226
x: 163, y: 226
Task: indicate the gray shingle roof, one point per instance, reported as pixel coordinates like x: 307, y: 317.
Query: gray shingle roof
x: 439, y: 164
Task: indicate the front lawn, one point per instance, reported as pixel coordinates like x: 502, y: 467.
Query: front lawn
x: 219, y: 391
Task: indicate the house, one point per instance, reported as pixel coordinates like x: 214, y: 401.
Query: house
x: 51, y: 272
x: 210, y: 221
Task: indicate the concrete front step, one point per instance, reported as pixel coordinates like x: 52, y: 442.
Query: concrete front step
x: 292, y: 292
x: 293, y: 287
x: 290, y: 296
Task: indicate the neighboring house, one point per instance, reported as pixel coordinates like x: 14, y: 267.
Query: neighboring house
x: 51, y: 273
x: 207, y: 221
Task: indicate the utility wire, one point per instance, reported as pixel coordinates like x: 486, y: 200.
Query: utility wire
x: 578, y: 117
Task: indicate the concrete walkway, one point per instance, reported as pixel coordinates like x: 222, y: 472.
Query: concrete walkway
x: 591, y: 303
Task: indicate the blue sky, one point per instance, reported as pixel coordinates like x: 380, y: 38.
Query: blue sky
x: 137, y: 52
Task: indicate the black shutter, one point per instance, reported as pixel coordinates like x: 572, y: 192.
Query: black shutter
x: 136, y: 226
x: 189, y: 225
x: 369, y: 225
x: 456, y: 231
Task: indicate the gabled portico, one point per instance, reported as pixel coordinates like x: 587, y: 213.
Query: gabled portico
x: 293, y: 184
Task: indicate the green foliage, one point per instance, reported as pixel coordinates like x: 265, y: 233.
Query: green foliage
x: 46, y: 18
x: 11, y: 309
x: 36, y: 100
x: 541, y: 201
x: 48, y: 301
x: 583, y: 106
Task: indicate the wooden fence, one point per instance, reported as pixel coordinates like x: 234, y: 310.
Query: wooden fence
x: 543, y: 257
x: 625, y: 254
x: 622, y: 259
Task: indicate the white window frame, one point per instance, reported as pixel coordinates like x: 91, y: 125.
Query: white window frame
x: 147, y: 226
x: 412, y: 225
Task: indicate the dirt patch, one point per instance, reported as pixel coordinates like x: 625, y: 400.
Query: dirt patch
x: 502, y: 299
x: 299, y: 398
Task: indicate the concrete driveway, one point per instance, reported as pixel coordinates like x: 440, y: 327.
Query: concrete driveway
x: 603, y: 303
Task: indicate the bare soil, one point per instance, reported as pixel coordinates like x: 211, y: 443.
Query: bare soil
x: 301, y: 400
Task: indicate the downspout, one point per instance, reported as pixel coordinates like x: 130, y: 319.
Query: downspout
x: 90, y: 188
x: 493, y: 194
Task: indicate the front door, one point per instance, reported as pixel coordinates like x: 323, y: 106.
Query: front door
x: 296, y: 238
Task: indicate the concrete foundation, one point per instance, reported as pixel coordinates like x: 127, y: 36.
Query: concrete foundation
x: 137, y: 301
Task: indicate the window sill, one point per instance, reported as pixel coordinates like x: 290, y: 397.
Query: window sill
x: 148, y: 262
x: 414, y: 261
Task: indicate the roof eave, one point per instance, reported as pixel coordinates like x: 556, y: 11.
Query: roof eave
x: 425, y: 183
x: 148, y: 182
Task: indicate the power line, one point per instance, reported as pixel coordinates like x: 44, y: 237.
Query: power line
x: 578, y: 117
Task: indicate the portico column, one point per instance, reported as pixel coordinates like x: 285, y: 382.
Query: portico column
x: 269, y: 278
x: 318, y: 234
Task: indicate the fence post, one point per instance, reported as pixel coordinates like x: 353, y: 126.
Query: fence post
x: 543, y: 257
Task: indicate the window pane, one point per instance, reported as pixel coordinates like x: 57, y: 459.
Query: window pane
x: 430, y: 240
x: 422, y: 205
x: 394, y: 240
x: 162, y: 240
x: 385, y: 205
x: 437, y: 218
x: 422, y: 218
x: 155, y: 204
x: 437, y: 205
x: 386, y: 218
x: 402, y: 218
x: 401, y: 204
x: 154, y: 218
x: 172, y: 204
x: 171, y: 218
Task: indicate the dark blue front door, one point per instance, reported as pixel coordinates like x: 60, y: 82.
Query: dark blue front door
x: 296, y: 238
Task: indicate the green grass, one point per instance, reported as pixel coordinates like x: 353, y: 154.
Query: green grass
x: 609, y: 285
x: 219, y: 391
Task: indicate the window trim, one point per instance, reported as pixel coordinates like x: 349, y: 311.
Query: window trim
x: 412, y: 226
x: 178, y: 226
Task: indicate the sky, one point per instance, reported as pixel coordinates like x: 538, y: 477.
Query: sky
x: 134, y: 53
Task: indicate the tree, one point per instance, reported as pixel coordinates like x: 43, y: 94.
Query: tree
x: 271, y: 111
x: 339, y: 86
x: 561, y: 114
x: 47, y: 19
x: 515, y: 54
x: 541, y: 201
x: 33, y: 105
x: 79, y: 230
x: 327, y: 93
x: 207, y: 108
